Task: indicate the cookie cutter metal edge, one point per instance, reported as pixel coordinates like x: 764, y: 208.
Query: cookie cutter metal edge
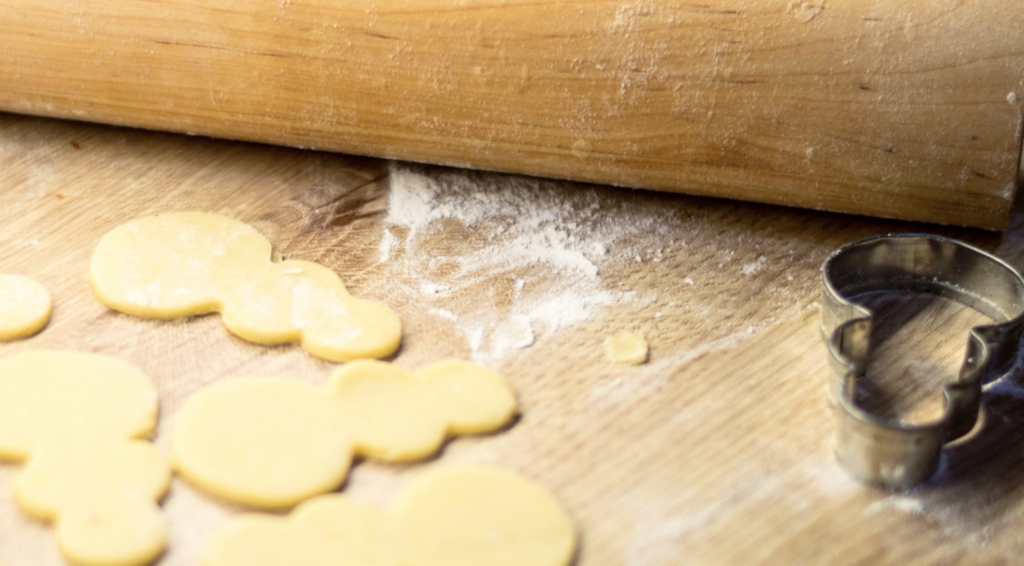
x: 885, y: 453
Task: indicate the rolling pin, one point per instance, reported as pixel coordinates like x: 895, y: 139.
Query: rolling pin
x: 909, y: 110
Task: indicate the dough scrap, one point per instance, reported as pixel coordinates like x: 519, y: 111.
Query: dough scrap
x: 76, y: 420
x: 626, y: 348
x: 25, y: 307
x: 191, y: 263
x: 271, y: 442
x: 455, y: 516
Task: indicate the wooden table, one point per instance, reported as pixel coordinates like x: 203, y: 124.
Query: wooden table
x: 717, y: 451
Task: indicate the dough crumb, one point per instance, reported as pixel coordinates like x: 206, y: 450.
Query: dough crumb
x: 626, y: 348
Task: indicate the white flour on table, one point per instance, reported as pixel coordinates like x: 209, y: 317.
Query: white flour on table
x: 534, y: 259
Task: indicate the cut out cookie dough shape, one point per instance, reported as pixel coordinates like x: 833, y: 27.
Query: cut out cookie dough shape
x: 25, y: 307
x: 272, y: 442
x: 191, y: 263
x: 76, y: 420
x: 457, y: 516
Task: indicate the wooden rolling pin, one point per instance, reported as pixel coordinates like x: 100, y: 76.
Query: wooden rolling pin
x: 909, y: 109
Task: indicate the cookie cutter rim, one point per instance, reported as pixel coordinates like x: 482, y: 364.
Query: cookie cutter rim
x: 880, y: 451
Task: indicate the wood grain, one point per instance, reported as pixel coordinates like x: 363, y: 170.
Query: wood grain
x: 903, y: 110
x: 716, y: 452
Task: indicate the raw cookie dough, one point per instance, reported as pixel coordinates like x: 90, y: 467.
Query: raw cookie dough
x: 457, y: 516
x: 272, y: 442
x: 626, y: 348
x: 191, y: 263
x: 76, y: 420
x: 24, y: 307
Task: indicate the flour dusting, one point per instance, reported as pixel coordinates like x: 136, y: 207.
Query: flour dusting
x: 897, y: 503
x: 533, y: 259
x: 755, y: 266
x: 387, y: 243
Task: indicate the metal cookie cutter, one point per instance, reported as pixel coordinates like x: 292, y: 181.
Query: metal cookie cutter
x: 886, y: 453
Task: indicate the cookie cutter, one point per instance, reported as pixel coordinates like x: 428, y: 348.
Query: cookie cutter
x: 886, y: 453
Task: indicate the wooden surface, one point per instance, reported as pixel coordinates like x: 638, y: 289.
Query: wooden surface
x: 905, y: 109
x: 717, y: 451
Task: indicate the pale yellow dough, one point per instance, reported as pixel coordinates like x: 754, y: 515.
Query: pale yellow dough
x: 272, y: 442
x: 191, y: 263
x: 25, y: 307
x: 77, y: 420
x: 457, y: 516
x: 626, y: 348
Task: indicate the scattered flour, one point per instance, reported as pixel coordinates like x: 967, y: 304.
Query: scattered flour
x: 431, y: 289
x: 902, y: 503
x: 411, y: 200
x: 533, y: 259
x: 387, y: 243
x: 664, y: 527
x: 445, y: 314
x: 755, y: 266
